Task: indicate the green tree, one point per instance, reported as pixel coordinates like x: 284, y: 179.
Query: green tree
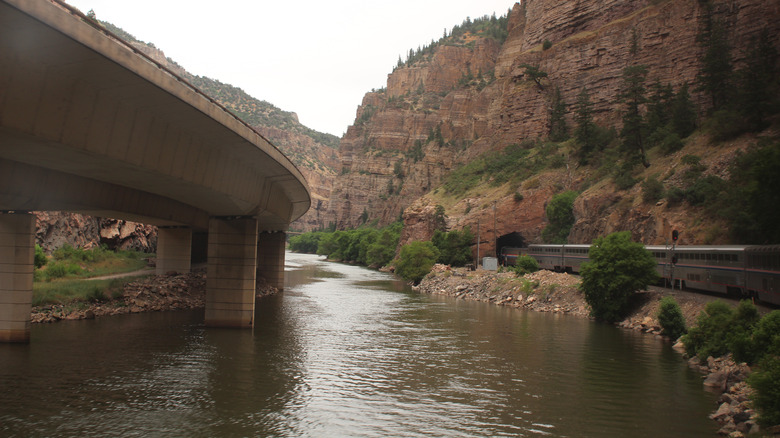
x: 683, y: 113
x: 306, y: 242
x: 716, y: 75
x: 454, y: 246
x: 759, y: 83
x: 40, y: 257
x: 558, y: 129
x: 439, y: 219
x: 382, y: 250
x: 416, y: 260
x: 617, y: 269
x: 753, y: 203
x: 709, y: 336
x: 671, y: 318
x: 585, y: 131
x: 533, y: 73
x: 658, y: 106
x: 560, y: 217
x: 766, y: 382
x: 632, y: 95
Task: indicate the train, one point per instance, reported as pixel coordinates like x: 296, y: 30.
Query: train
x: 737, y: 270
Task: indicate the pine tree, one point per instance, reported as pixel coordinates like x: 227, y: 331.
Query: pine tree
x: 759, y: 83
x: 683, y: 113
x: 658, y: 115
x: 715, y: 77
x: 585, y: 133
x: 558, y: 129
x: 633, y: 97
x: 535, y: 74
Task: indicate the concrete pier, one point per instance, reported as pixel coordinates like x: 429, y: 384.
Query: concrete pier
x: 270, y: 258
x: 174, y: 250
x: 17, y: 251
x: 230, y: 277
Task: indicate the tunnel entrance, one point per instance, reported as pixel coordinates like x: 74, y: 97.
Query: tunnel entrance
x: 513, y: 239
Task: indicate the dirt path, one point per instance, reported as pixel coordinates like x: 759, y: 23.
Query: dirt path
x: 138, y: 273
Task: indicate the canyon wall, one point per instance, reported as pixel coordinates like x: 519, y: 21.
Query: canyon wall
x: 393, y: 142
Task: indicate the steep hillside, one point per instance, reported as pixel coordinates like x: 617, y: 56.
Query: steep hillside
x: 315, y: 153
x: 471, y: 95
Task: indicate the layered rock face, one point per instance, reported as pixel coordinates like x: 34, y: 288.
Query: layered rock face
x: 394, y: 139
x: 55, y: 229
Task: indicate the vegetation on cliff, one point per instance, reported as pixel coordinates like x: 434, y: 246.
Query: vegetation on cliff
x: 483, y: 27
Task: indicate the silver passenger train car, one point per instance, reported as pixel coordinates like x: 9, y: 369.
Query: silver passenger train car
x: 727, y: 269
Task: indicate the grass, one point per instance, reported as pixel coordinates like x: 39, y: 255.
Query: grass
x: 78, y: 291
x: 65, y: 279
x: 69, y: 262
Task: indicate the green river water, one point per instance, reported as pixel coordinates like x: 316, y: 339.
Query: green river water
x: 347, y: 351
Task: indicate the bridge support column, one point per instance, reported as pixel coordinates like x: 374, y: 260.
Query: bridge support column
x: 17, y: 250
x: 270, y: 258
x: 174, y: 248
x: 230, y: 278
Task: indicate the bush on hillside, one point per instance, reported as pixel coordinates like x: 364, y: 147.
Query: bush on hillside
x: 560, y: 215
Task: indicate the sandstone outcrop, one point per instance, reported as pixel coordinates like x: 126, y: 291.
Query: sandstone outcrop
x: 55, y: 229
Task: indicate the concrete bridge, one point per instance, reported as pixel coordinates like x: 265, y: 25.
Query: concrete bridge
x: 90, y: 125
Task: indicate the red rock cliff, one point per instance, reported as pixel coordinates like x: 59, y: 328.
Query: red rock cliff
x: 392, y: 156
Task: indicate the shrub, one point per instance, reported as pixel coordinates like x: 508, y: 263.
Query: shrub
x: 725, y: 124
x: 96, y: 295
x: 56, y: 270
x: 617, y: 269
x: 707, y: 190
x: 416, y: 260
x: 739, y: 337
x: 766, y: 334
x: 675, y: 195
x: 652, y: 190
x: 40, y: 257
x: 524, y: 265
x: 766, y: 382
x: 671, y: 318
x: 546, y: 44
x: 454, y: 247
x: 560, y: 215
x: 708, y: 337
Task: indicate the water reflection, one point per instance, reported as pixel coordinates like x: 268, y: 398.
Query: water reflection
x: 346, y: 351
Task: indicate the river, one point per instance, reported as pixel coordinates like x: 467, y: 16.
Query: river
x: 347, y: 351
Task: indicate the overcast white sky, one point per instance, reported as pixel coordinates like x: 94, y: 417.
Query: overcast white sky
x: 315, y: 58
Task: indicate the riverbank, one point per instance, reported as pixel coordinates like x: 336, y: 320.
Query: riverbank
x: 154, y: 293
x: 546, y: 291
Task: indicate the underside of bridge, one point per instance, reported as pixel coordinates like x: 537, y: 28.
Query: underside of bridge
x: 88, y: 124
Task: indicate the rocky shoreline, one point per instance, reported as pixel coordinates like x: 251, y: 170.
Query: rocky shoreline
x: 155, y: 293
x: 545, y: 291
